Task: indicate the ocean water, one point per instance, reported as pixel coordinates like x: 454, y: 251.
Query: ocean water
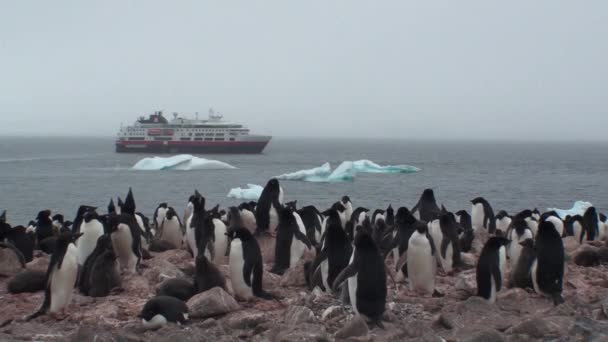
x: 62, y: 173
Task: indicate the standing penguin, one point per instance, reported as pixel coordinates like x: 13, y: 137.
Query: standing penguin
x: 23, y: 240
x: 548, y: 268
x: 83, y: 209
x: 160, y: 310
x: 91, y: 230
x: 311, y: 217
x: 482, y: 215
x: 426, y: 209
x: 171, y: 228
x: 159, y: 214
x: 590, y: 225
x: 189, y: 207
x: 521, y: 273
x: 126, y: 241
x: 207, y: 275
x: 518, y: 233
x: 348, y: 207
x: 195, y: 220
x: 366, y: 277
x: 491, y: 268
x: 60, y: 276
x: 557, y: 223
x: 449, y: 245
x: 211, y: 237
x: 269, y: 204
x: 104, y: 275
x: 44, y: 225
x: 248, y: 216
x: 503, y: 221
x: 103, y: 243
x: 335, y: 254
x: 291, y: 241
x: 467, y: 235
x: 421, y: 262
x: 405, y: 227
x: 246, y: 265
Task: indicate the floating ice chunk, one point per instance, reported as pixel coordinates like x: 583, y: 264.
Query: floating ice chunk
x: 251, y: 193
x: 182, y: 162
x: 578, y: 208
x: 345, y: 172
x: 321, y: 171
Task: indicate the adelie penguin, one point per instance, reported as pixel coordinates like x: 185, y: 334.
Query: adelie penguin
x: 83, y: 209
x: 445, y: 234
x: 171, y: 228
x: 491, y: 268
x: 23, y: 240
x: 207, y: 275
x: 421, y: 261
x: 291, y: 241
x: 269, y: 205
x: 467, y: 235
x: 482, y: 215
x: 195, y: 220
x: 590, y: 230
x: 348, y: 207
x: 312, y: 219
x: 548, y: 268
x: 405, y: 227
x: 503, y: 221
x: 246, y: 265
x: 160, y: 310
x: 44, y: 226
x: 126, y: 241
x: 91, y: 230
x: 518, y: 233
x: 159, y: 214
x: 426, y: 209
x: 520, y: 273
x: 103, y: 244
x: 335, y: 254
x: 104, y: 275
x: 60, y: 276
x: 212, y: 238
x: 366, y: 279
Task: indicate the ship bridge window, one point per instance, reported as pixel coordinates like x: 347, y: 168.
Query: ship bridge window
x: 162, y: 138
x: 219, y: 139
x: 231, y: 139
x: 185, y: 139
x: 208, y: 139
x: 136, y: 138
x: 198, y: 139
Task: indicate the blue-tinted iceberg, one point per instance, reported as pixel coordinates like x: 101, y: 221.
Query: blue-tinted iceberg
x: 182, y: 162
x: 578, y: 208
x: 251, y: 193
x: 345, y: 172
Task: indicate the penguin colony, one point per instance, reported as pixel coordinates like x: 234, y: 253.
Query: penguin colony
x: 345, y: 250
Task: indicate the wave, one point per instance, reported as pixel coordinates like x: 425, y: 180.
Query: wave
x: 251, y: 193
x: 345, y: 172
x: 182, y: 162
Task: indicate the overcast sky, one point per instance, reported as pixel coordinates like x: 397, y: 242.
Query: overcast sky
x: 402, y: 69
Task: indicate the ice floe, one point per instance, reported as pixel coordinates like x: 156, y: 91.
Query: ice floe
x: 345, y: 172
x: 578, y: 208
x: 182, y: 162
x: 251, y: 193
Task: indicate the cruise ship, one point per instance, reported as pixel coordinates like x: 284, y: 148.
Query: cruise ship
x: 157, y: 134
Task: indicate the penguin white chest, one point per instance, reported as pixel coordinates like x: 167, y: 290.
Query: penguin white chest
x: 87, y: 242
x: 352, y: 288
x: 221, y: 242
x: 122, y: 241
x: 297, y: 247
x: 160, y: 216
x: 248, y: 220
x: 63, y: 280
x: 191, y: 238
x: 172, y: 232
x: 273, y: 219
x: 237, y: 263
x: 477, y: 216
x: 421, y: 264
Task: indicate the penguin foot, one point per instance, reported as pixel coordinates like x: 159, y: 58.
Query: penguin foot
x: 437, y: 294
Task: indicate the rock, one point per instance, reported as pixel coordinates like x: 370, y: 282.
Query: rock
x: 302, y: 333
x: 415, y: 329
x: 445, y: 322
x: 39, y: 264
x: 570, y: 244
x: 485, y: 336
x: 136, y: 285
x: 267, y: 245
x: 468, y: 259
x: 161, y: 270
x: 85, y: 334
x: 212, y: 303
x: 245, y: 320
x: 299, y: 314
x: 604, y: 307
x: 515, y: 294
x: 294, y: 276
x: 535, y: 327
x: 11, y: 263
x: 270, y: 280
x: 465, y: 282
x: 354, y: 328
x: 586, y: 256
x: 332, y: 312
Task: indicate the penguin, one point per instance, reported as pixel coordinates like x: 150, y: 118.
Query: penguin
x: 521, y: 273
x: 207, y: 275
x: 519, y: 232
x: 603, y: 227
x: 535, y: 214
x: 590, y: 230
x: 91, y: 230
x: 147, y: 233
x: 405, y: 227
x: 248, y: 216
x: 377, y: 216
x: 291, y: 241
x: 269, y: 204
x: 44, y: 226
x: 119, y: 205
x: 23, y: 240
x: 421, y: 261
x: 104, y: 243
x: 426, y: 209
x: 104, y: 275
x: 548, y: 268
x: 491, y: 268
x: 557, y: 223
x: 366, y: 277
x: 111, y: 207
x: 211, y: 237
x: 83, y: 209
x: 160, y: 310
x: 28, y: 281
x: 348, y: 206
x: 390, y: 216
x: 159, y: 214
x: 179, y: 288
x: 246, y: 265
x: 170, y: 228
x: 126, y: 241
x: 195, y: 220
x: 335, y: 254
x: 449, y: 246
x: 57, y: 223
x: 4, y: 227
x: 189, y: 207
x: 482, y: 215
x: 577, y: 223
x: 467, y: 235
x: 503, y: 221
x: 60, y: 276
x: 312, y: 219
x: 356, y: 219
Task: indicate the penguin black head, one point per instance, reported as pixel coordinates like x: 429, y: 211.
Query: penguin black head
x: 345, y: 200
x: 58, y: 218
x: 44, y: 216
x: 273, y: 184
x: 111, y: 207
x: 364, y: 228
x: 198, y: 202
x: 547, y: 228
x: 404, y: 216
x: 364, y: 241
x: 3, y: 217
x: 240, y: 233
x: 83, y: 210
x: 421, y: 228
x: 163, y: 205
x: 501, y: 215
x: 286, y: 214
x: 528, y: 243
x: 496, y: 242
x: 428, y: 195
x: 447, y: 219
x: 90, y: 215
x: 170, y: 213
x: 292, y: 205
x: 478, y: 200
x: 338, y: 206
x: 129, y: 206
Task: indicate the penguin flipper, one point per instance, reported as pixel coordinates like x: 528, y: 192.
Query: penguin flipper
x: 247, y: 271
x: 300, y: 236
x: 444, y: 247
x: 348, y: 272
x: 497, y: 277
x: 45, y: 305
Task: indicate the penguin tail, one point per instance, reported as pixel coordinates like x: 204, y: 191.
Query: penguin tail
x: 36, y: 314
x: 557, y: 299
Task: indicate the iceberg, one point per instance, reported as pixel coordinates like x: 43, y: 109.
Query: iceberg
x: 182, y: 162
x: 345, y: 172
x: 251, y: 193
x: 578, y: 208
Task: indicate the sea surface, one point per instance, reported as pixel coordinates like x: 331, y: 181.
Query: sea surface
x: 62, y: 173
